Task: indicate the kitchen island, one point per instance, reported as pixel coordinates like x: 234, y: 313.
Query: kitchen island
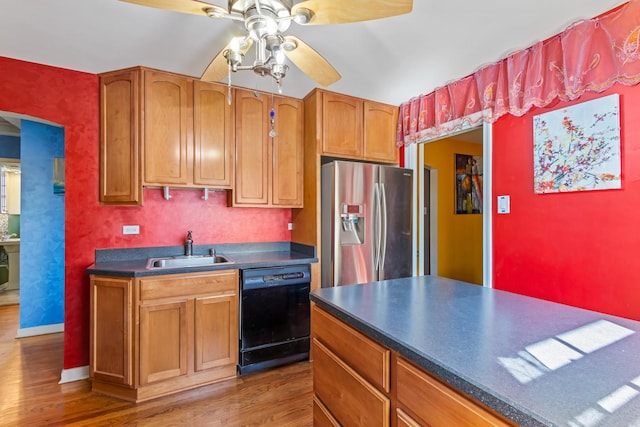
x: 518, y: 359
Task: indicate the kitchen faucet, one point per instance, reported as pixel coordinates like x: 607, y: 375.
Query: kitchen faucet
x: 188, y: 244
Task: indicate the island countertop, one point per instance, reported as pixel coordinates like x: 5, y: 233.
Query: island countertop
x: 536, y: 362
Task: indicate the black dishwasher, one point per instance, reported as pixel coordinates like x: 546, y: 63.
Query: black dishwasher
x: 274, y: 316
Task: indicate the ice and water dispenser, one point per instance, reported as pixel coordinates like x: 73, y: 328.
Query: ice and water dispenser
x: 353, y: 224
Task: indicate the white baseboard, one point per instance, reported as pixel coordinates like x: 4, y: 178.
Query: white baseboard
x: 40, y: 330
x: 67, y: 375
x: 74, y: 374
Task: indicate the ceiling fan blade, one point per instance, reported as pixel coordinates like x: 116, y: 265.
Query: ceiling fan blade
x: 340, y: 11
x: 218, y: 68
x: 184, y: 6
x: 311, y: 62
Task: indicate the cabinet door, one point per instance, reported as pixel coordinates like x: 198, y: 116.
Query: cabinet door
x: 111, y: 330
x: 252, y: 148
x: 341, y: 125
x: 380, y: 122
x: 216, y: 331
x: 163, y: 340
x: 120, y: 181
x: 288, y: 155
x: 168, y: 123
x: 213, y: 136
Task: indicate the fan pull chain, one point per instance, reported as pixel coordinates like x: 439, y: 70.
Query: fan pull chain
x: 272, y: 119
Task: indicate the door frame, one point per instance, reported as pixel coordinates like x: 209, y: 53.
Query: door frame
x: 414, y: 159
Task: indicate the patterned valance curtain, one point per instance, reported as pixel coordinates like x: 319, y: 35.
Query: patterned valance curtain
x: 590, y: 55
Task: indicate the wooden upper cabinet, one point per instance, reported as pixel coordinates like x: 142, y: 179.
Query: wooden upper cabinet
x: 162, y: 129
x: 288, y: 153
x: 341, y: 125
x: 120, y: 181
x: 168, y: 127
x: 213, y: 136
x: 252, y: 148
x: 358, y: 129
x: 380, y: 122
x: 268, y: 170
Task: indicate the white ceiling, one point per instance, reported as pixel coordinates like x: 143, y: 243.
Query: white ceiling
x: 388, y: 60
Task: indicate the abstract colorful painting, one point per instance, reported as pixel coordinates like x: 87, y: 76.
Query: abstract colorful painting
x: 468, y: 184
x: 578, y: 148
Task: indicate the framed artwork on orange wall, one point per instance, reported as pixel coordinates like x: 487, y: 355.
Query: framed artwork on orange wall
x: 468, y: 185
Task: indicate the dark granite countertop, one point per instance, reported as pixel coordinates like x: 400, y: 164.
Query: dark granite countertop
x: 132, y: 262
x: 536, y: 362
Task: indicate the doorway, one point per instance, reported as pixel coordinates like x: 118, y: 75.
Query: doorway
x: 41, y: 228
x: 426, y: 210
x: 10, y: 178
x: 452, y: 243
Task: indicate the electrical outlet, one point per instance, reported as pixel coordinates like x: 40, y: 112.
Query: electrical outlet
x: 290, y: 226
x: 130, y: 229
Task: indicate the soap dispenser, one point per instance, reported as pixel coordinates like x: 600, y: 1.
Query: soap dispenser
x: 188, y: 244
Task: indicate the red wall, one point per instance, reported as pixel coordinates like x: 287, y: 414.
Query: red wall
x: 575, y: 248
x: 70, y: 98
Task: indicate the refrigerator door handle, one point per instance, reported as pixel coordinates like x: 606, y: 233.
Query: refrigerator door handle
x: 383, y: 231
x: 377, y: 227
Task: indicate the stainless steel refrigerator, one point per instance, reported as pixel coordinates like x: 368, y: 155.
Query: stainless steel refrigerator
x: 366, y: 223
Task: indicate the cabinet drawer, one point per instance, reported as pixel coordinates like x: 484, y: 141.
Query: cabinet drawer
x: 435, y: 403
x: 368, y: 358
x: 321, y: 415
x: 404, y: 420
x: 217, y: 282
x: 348, y: 396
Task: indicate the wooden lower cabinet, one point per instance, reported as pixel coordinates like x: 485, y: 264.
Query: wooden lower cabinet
x: 436, y: 404
x: 111, y: 330
x: 321, y: 415
x: 345, y: 394
x: 404, y: 420
x: 163, y: 341
x: 216, y: 331
x: 185, y: 334
x: 352, y: 400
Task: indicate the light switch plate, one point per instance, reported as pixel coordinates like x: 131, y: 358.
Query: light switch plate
x: 504, y: 204
x: 130, y: 229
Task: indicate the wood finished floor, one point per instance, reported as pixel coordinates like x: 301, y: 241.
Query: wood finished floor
x: 31, y: 396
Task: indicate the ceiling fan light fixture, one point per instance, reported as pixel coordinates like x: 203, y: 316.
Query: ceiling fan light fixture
x: 278, y: 54
x: 234, y: 57
x: 278, y: 71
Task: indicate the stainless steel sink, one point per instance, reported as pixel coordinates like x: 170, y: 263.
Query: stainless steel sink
x: 188, y: 261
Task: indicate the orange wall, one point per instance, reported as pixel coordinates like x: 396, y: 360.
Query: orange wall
x: 459, y: 236
x: 577, y: 248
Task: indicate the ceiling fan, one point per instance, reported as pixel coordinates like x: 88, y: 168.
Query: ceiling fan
x: 265, y: 23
